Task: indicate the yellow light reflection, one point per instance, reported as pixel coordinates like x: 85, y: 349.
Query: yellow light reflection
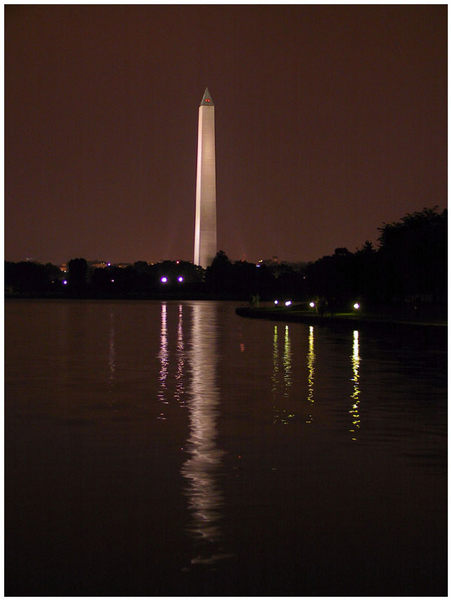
x: 287, y: 361
x: 281, y: 376
x: 205, y: 498
x: 275, y: 360
x: 310, y: 369
x: 311, y: 364
x: 355, y: 362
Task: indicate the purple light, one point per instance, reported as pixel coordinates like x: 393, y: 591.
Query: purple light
x: 180, y: 279
x: 64, y: 281
x: 164, y: 280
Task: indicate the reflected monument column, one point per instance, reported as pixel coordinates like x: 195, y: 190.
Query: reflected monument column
x: 205, y: 498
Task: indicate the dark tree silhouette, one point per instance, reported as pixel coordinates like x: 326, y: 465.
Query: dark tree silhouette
x: 219, y: 276
x: 30, y: 277
x: 408, y: 269
x: 334, y: 278
x: 77, y: 274
x: 413, y: 255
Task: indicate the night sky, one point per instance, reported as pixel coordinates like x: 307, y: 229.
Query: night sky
x: 330, y: 120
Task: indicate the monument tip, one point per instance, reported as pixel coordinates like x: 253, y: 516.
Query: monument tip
x: 207, y: 100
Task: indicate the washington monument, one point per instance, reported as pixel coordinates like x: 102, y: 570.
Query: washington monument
x: 205, y: 228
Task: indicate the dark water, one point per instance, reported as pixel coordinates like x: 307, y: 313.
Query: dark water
x: 177, y: 449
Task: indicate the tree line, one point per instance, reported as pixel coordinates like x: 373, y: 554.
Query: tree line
x: 409, y: 267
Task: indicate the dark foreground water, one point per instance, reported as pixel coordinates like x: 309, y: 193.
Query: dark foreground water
x: 177, y: 449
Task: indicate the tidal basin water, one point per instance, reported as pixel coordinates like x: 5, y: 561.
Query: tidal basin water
x: 175, y: 448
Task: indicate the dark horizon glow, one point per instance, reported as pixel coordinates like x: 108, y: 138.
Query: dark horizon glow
x: 330, y: 120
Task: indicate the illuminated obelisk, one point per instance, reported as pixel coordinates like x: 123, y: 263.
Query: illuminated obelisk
x: 205, y: 227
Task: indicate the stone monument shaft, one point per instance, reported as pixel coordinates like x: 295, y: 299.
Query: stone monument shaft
x: 205, y: 226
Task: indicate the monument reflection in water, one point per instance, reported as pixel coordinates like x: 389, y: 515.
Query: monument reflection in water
x: 146, y: 440
x: 205, y: 498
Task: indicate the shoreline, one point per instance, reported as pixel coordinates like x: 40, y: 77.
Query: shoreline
x: 292, y: 315
x: 345, y: 319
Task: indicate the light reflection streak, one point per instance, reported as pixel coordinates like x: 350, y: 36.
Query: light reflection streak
x: 287, y: 361
x: 275, y: 360
x: 310, y: 369
x: 163, y: 354
x: 281, y: 376
x: 180, y: 353
x: 355, y: 362
x: 205, y: 499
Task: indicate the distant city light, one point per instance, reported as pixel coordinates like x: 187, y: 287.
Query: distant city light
x: 258, y: 266
x: 276, y: 302
x: 64, y: 281
x: 108, y: 264
x: 311, y: 304
x: 164, y: 280
x: 356, y: 305
x: 288, y: 303
x: 180, y: 279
